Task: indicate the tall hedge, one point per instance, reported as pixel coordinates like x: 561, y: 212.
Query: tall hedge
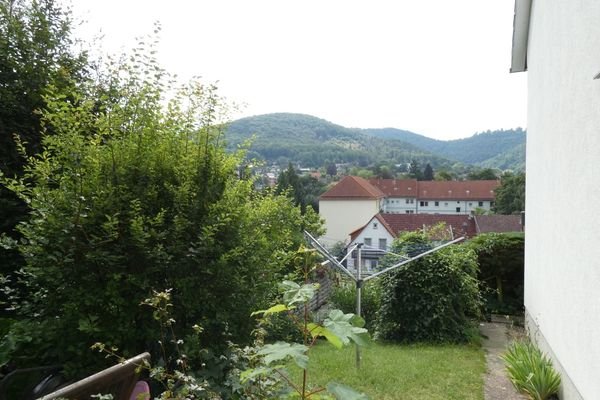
x: 133, y: 193
x: 501, y: 258
x: 432, y: 299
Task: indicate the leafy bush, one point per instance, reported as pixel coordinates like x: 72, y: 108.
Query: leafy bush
x: 338, y: 328
x: 343, y: 297
x: 501, y: 270
x: 432, y: 299
x: 133, y: 193
x: 530, y: 371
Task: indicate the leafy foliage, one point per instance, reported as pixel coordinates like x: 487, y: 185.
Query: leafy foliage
x: 36, y: 51
x: 531, y: 371
x: 510, y: 195
x: 338, y: 328
x: 344, y: 298
x: 432, y: 299
x: 305, y: 190
x: 133, y: 192
x: 314, y: 142
x: 502, y: 149
x: 501, y: 270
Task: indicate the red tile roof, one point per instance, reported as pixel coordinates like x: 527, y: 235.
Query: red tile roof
x: 457, y: 190
x: 498, y: 223
x: 353, y: 187
x: 462, y: 225
x: 396, y: 187
x: 356, y: 187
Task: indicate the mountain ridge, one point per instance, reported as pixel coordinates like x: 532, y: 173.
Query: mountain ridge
x: 313, y: 141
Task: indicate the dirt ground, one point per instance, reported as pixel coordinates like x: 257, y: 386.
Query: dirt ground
x: 497, y: 336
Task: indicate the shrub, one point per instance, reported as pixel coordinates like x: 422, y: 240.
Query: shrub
x: 530, y: 371
x: 501, y: 270
x: 432, y: 299
x: 133, y: 193
x: 344, y: 298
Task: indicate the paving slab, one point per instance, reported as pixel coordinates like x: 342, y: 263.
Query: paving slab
x: 497, y: 337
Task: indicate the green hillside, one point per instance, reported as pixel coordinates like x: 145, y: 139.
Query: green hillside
x: 511, y: 159
x: 313, y: 141
x: 494, y: 149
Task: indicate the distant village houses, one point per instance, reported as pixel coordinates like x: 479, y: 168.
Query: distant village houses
x: 354, y: 201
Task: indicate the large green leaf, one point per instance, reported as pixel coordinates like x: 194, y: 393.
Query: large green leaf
x: 343, y: 392
x: 318, y: 330
x: 347, y: 327
x: 260, y: 371
x: 296, y: 294
x: 273, y: 310
x: 281, y: 350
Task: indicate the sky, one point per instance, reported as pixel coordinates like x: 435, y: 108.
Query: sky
x: 439, y: 68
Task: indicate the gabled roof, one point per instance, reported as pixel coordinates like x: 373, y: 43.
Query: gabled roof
x: 498, y: 223
x: 353, y: 187
x: 396, y: 187
x: 382, y: 221
x: 457, y: 190
x: 462, y: 225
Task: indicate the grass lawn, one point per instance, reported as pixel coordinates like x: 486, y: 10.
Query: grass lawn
x: 390, y: 371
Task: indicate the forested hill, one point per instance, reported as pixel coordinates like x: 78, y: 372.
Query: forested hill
x: 313, y: 142
x: 502, y: 149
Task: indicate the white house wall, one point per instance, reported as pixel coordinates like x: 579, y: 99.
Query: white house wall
x: 345, y: 216
x: 562, y: 251
x: 374, y: 231
x: 426, y: 206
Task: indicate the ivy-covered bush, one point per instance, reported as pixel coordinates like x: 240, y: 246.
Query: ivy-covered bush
x: 432, y: 299
x: 501, y: 259
x: 132, y: 193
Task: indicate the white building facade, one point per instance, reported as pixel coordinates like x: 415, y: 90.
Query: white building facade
x: 558, y: 43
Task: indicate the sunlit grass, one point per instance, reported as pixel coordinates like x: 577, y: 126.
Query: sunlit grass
x: 403, y: 372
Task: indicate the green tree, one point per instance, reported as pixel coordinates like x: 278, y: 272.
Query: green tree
x: 501, y: 268
x: 483, y: 174
x: 36, y: 50
x: 443, y: 175
x: 510, y: 195
x: 305, y: 190
x: 331, y: 169
x: 129, y: 195
x: 428, y: 173
x: 414, y: 170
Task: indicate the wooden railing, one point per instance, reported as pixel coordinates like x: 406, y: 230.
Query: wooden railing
x: 118, y: 380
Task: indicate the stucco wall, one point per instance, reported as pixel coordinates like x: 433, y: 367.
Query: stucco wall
x: 562, y: 253
x: 344, y: 216
x: 374, y: 231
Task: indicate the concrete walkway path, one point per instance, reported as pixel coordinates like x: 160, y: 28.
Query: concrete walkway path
x: 497, y: 386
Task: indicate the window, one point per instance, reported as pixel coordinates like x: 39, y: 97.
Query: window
x: 445, y: 204
x: 424, y: 203
x: 407, y: 202
x: 375, y: 225
x: 457, y: 209
x: 408, y: 211
x: 437, y: 203
x: 368, y: 241
x: 382, y: 244
x: 481, y: 204
x: 470, y: 204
